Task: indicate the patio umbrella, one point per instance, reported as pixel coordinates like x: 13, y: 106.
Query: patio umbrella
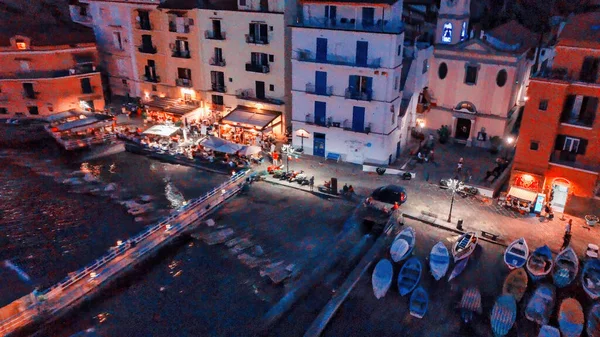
x: 250, y: 150
x: 220, y: 145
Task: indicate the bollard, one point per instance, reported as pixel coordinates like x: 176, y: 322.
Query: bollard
x: 459, y: 224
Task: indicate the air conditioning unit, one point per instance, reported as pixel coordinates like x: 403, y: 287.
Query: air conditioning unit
x: 265, y: 69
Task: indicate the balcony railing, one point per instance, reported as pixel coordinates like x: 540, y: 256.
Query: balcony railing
x: 183, y: 82
x: 308, y: 56
x: 214, y: 61
x: 569, y: 159
x: 148, y: 78
x: 184, y: 54
x: 146, y: 49
x: 211, y: 35
x: 564, y: 74
x: 219, y: 87
x: 216, y: 107
x: 31, y: 95
x: 83, y: 69
x: 257, y: 68
x: 347, y: 126
x: 248, y: 94
x: 250, y: 38
x: 381, y: 26
x: 352, y: 93
x: 312, y: 89
x: 144, y: 25
x: 178, y: 29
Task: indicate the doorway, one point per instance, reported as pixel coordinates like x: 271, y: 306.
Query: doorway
x: 319, y: 144
x: 463, y: 129
x: 560, y: 194
x: 260, y: 89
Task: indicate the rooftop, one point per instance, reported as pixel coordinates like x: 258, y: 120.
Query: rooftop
x: 16, y: 19
x: 511, y: 37
x: 227, y: 5
x: 582, y: 30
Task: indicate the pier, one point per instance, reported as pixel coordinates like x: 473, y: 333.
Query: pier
x: 48, y: 305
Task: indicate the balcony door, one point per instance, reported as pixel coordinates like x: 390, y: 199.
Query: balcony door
x: 216, y: 25
x: 321, y: 49
x: 217, y: 78
x: 321, y: 83
x: 147, y: 41
x: 260, y: 89
x: 358, y: 119
x: 261, y: 59
x: 151, y: 69
x: 362, y: 52
x: 320, y: 114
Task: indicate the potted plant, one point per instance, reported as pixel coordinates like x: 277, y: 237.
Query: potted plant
x: 444, y: 134
x: 591, y: 220
x: 495, y: 142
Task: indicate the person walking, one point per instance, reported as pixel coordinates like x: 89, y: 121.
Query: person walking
x: 311, y: 183
x: 568, y: 227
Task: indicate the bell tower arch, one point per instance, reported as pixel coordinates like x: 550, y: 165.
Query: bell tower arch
x: 453, y: 21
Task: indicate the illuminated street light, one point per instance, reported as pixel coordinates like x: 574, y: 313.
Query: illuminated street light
x: 93, y: 275
x: 454, y: 185
x: 510, y: 140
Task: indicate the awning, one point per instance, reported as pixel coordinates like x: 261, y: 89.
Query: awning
x: 161, y: 130
x: 250, y: 117
x: 522, y: 194
x: 220, y: 145
x: 62, y: 115
x: 171, y: 105
x: 77, y: 124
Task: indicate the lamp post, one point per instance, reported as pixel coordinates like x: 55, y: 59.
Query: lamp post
x: 287, y: 150
x: 454, y: 186
x: 509, y: 142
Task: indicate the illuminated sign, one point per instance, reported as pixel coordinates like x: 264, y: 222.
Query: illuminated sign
x: 463, y: 31
x: 447, y: 33
x: 21, y: 45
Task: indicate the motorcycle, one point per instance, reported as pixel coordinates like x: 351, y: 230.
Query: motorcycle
x: 278, y: 173
x: 302, y: 178
x: 273, y: 168
x: 293, y: 175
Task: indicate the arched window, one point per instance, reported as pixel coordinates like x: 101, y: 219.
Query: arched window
x: 447, y: 32
x: 442, y: 70
x: 501, y: 78
x: 466, y: 106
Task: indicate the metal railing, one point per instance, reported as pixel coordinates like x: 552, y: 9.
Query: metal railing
x: 183, y: 82
x: 359, y: 95
x: 214, y: 61
x: 17, y: 320
x: 212, y: 35
x: 309, y: 56
x: 325, y: 91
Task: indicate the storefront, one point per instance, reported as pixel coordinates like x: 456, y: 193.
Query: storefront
x: 160, y: 110
x: 246, y: 125
x: 525, y: 193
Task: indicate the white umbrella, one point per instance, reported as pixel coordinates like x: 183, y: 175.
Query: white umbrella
x: 220, y: 145
x: 250, y: 150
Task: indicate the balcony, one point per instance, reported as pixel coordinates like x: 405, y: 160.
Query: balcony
x: 144, y: 25
x: 308, y: 56
x: 216, y: 107
x: 183, y: 82
x: 312, y: 89
x: 359, y: 95
x: 566, y: 158
x: 347, y: 126
x: 173, y: 27
x: 211, y: 35
x: 378, y: 26
x: 147, y: 49
x: 148, y: 78
x: 31, y: 94
x: 564, y: 74
x: 250, y: 38
x: 184, y: 54
x: 219, y: 62
x: 257, y: 68
x: 249, y: 95
x: 78, y: 70
x: 218, y: 87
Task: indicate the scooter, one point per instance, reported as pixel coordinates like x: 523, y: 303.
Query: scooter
x: 294, y: 176
x: 278, y: 173
x: 301, y: 178
x: 273, y: 168
x: 286, y: 175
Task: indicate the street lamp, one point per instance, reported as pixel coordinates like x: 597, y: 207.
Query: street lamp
x: 454, y: 185
x: 288, y: 150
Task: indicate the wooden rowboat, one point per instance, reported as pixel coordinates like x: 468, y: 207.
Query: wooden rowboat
x: 439, y: 260
x: 566, y: 267
x: 382, y: 278
x: 418, y: 302
x: 515, y: 284
x: 464, y: 246
x: 539, y: 263
x: 516, y: 254
x: 570, y: 318
x: 593, y: 321
x: 504, y: 315
x: 409, y: 276
x: 541, y: 304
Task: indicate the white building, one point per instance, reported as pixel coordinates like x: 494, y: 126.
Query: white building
x: 346, y: 74
x: 477, y: 85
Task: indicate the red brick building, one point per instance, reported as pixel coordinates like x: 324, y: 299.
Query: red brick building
x: 47, y: 63
x: 558, y: 152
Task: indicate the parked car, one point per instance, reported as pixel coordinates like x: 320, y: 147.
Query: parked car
x: 390, y: 194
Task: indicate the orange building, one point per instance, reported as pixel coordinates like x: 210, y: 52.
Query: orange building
x: 47, y: 65
x: 558, y: 152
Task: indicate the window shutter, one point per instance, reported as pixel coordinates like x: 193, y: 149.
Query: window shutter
x: 560, y: 142
x: 567, y: 108
x: 589, y: 114
x: 582, y: 146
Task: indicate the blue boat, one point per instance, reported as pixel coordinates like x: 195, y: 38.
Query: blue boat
x: 504, y: 315
x: 409, y: 276
x: 516, y: 254
x: 419, y: 301
x: 566, y: 267
x: 540, y: 263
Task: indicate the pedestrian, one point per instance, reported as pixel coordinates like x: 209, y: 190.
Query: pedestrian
x: 345, y: 189
x: 568, y: 227
x: 311, y: 183
x: 431, y: 159
x: 272, y: 148
x: 566, y: 241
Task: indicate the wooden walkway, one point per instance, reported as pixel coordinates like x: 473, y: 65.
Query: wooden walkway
x: 45, y: 306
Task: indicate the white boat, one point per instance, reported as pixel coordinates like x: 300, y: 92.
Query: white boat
x: 419, y: 301
x: 464, y: 246
x: 401, y: 250
x: 382, y: 278
x: 566, y: 267
x: 539, y: 264
x: 593, y: 321
x: 504, y: 315
x: 516, y: 254
x: 570, y: 318
x: 439, y: 260
x: 549, y: 331
x: 541, y: 304
x: 458, y: 268
x: 590, y: 278
x: 409, y: 276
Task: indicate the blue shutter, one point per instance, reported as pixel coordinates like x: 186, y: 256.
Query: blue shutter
x: 320, y: 113
x: 362, y: 52
x: 321, y: 83
x: 321, y: 49
x: 358, y: 119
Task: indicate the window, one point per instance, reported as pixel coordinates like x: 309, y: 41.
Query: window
x: 447, y: 33
x: 501, y: 78
x: 115, y: 15
x: 534, y: 146
x: 393, y: 111
x: 124, y: 82
x: 579, y: 110
x: 217, y: 99
x: 443, y: 70
x: 28, y: 88
x: 258, y: 33
x: 117, y: 40
x: 368, y: 16
x: 330, y: 12
x: 259, y: 59
x: 396, y: 82
x: 271, y: 87
x: 144, y: 20
x: 543, y: 105
x: 24, y: 65
x: 86, y: 86
x: 33, y: 110
x: 271, y: 58
x: 471, y: 74
x: 154, y: 88
x: 3, y: 111
x: 570, y: 146
x: 184, y: 73
x: 21, y: 45
x: 463, y: 31
x: 425, y: 66
x: 589, y: 69
x: 243, y: 3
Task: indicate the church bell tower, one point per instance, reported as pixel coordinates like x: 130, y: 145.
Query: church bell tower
x: 453, y: 22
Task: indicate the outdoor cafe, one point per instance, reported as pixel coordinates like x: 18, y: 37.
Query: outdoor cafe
x: 250, y: 126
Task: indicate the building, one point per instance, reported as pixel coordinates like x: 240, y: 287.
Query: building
x: 346, y: 74
x: 477, y: 84
x: 42, y: 73
x: 225, y: 59
x: 558, y: 152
